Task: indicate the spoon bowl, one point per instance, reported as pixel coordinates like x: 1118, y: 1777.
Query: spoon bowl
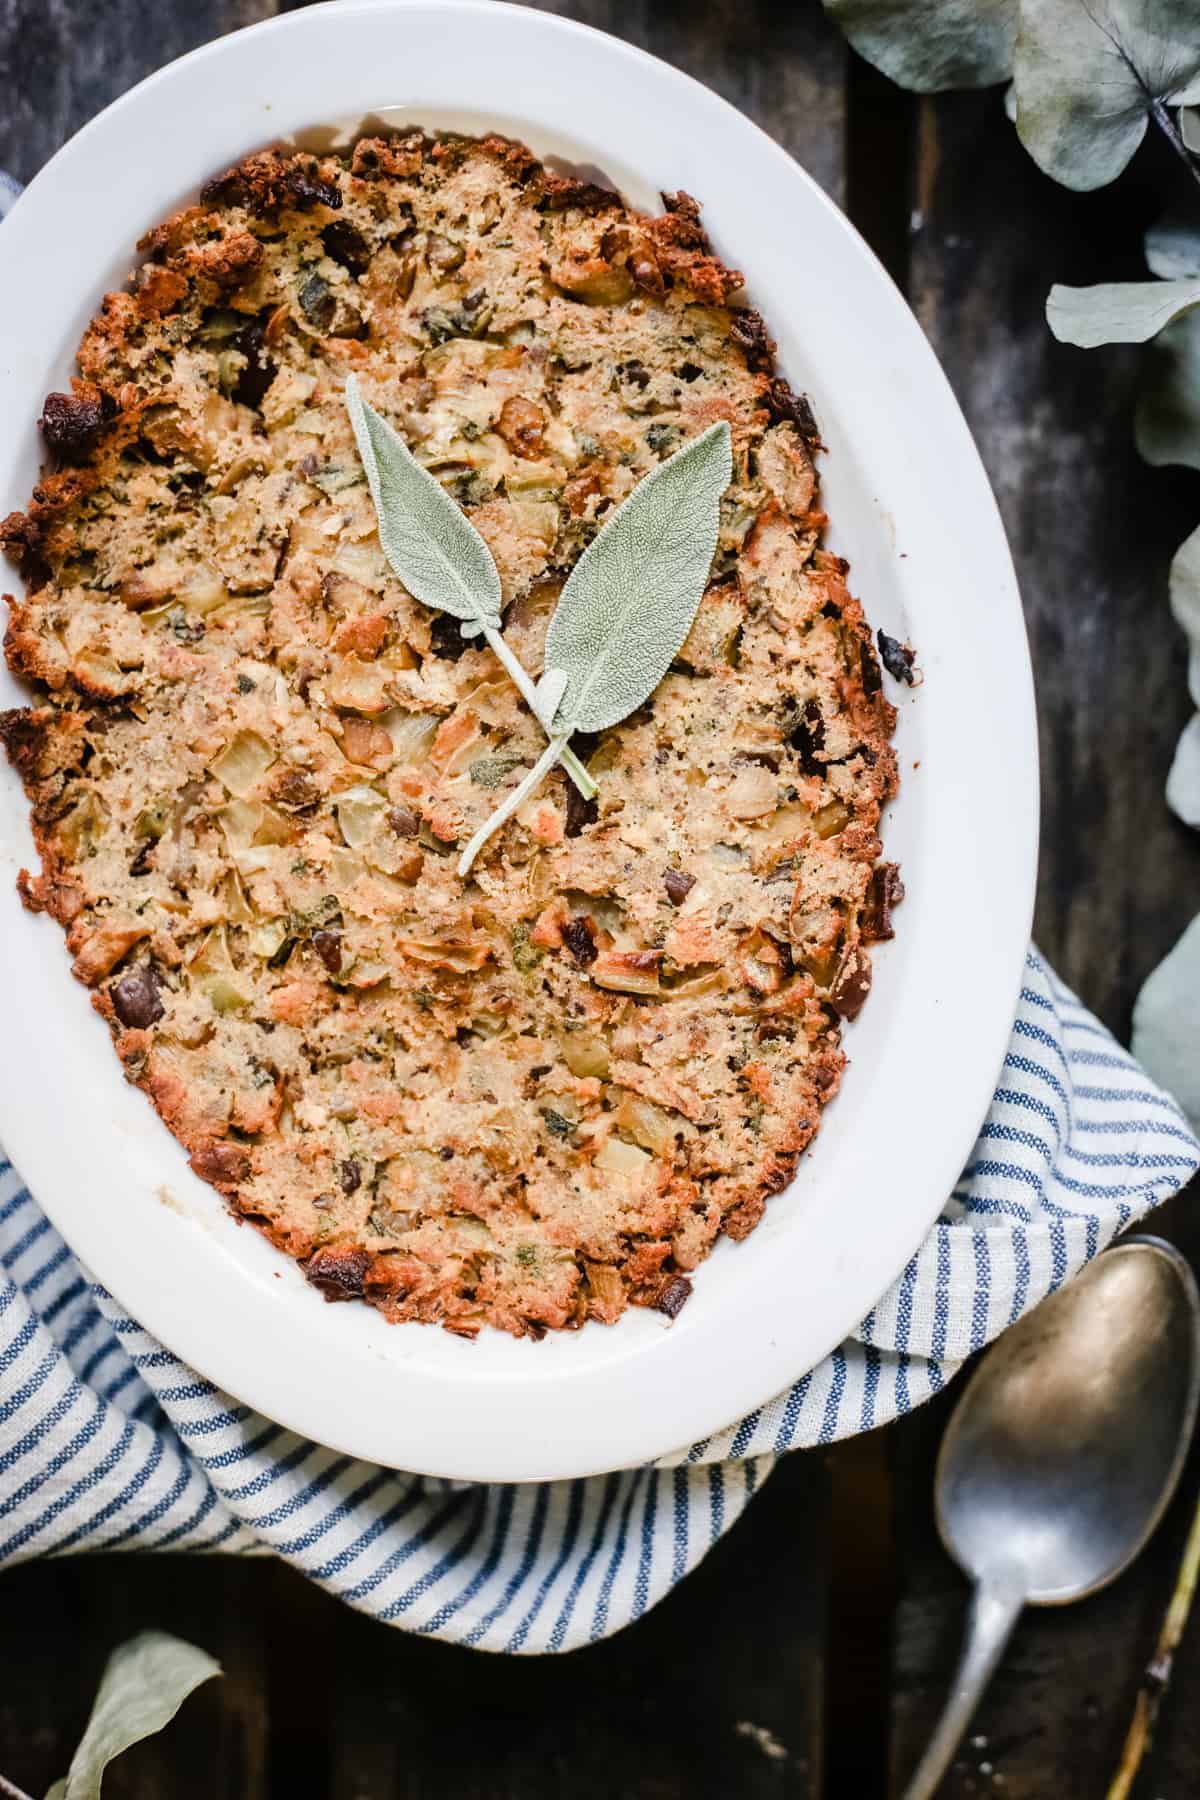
x: 1063, y: 1453
x: 1069, y: 1438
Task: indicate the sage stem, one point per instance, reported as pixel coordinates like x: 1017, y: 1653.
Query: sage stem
x: 537, y: 774
x: 521, y: 680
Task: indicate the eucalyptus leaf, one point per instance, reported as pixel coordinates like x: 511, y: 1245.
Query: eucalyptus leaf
x: 1166, y: 1022
x: 1183, y: 782
x: 627, y: 606
x: 145, y: 1682
x: 1173, y: 246
x: 927, y: 45
x: 433, y: 548
x: 1185, y: 605
x: 1118, y: 312
x: 630, y: 600
x: 1167, y: 421
x: 430, y: 543
x: 1089, y: 74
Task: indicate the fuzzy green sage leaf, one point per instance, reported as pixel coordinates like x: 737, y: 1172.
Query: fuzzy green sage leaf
x: 926, y: 45
x: 145, y: 1682
x: 628, y: 604
x: 430, y: 543
x: 1118, y: 312
x: 433, y: 548
x: 1090, y: 73
x: 630, y: 600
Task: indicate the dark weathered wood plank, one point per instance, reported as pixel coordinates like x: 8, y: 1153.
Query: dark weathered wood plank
x: 1092, y: 531
x: 61, y: 61
x: 1092, y: 528
x: 1054, y: 1719
x: 716, y: 1692
x: 58, y: 1623
x: 781, y: 65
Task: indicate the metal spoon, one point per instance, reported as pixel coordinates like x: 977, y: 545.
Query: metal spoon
x: 1063, y: 1453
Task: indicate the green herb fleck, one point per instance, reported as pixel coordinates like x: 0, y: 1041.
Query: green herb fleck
x: 525, y: 954
x: 490, y: 771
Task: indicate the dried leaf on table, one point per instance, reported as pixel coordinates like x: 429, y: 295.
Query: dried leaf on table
x: 1089, y: 76
x: 1185, y: 605
x: 1166, y: 1022
x: 145, y: 1682
x: 1183, y: 781
x: 1118, y: 312
x: 927, y: 45
x: 1173, y: 244
x: 1167, y: 422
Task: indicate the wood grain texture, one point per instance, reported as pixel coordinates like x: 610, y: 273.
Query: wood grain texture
x: 1092, y: 528
x: 1092, y: 531
x: 716, y: 1692
x: 58, y: 1623
x: 1052, y: 1723
x: 61, y: 61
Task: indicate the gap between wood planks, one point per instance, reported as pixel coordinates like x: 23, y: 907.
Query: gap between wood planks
x: 881, y: 131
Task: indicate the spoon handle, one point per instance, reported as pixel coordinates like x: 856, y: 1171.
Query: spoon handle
x: 994, y: 1611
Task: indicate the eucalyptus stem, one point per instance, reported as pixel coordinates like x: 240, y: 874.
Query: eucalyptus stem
x: 520, y: 676
x: 1161, y: 115
x: 1158, y: 1671
x: 545, y: 762
x: 10, y: 1791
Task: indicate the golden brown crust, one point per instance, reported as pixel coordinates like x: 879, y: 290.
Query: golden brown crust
x: 539, y: 1096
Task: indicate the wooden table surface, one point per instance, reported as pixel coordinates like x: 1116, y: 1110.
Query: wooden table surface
x: 809, y: 1654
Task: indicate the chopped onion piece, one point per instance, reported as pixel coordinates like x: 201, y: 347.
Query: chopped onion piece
x: 620, y: 1158
x: 585, y: 1055
x: 359, y: 812
x: 242, y: 764
x: 647, y: 1124
x: 412, y: 733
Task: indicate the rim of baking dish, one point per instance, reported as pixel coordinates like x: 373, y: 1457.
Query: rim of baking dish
x: 913, y: 510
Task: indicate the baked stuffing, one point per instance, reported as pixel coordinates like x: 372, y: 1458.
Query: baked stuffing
x: 539, y: 1095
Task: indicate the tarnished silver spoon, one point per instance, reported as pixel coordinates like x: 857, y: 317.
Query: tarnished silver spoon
x: 1063, y: 1453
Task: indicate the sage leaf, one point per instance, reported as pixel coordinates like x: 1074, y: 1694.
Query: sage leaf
x: 433, y: 548
x: 630, y: 600
x: 627, y: 606
x: 1090, y: 73
x: 927, y: 45
x: 1118, y: 312
x: 1173, y: 247
x: 1183, y: 781
x: 430, y: 543
x: 1167, y: 418
x: 145, y: 1682
x: 1166, y: 1022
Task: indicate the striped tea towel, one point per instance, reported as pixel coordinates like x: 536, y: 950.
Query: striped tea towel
x: 108, y: 1441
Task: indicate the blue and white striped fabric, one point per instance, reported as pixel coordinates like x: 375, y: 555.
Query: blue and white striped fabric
x: 107, y: 1441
